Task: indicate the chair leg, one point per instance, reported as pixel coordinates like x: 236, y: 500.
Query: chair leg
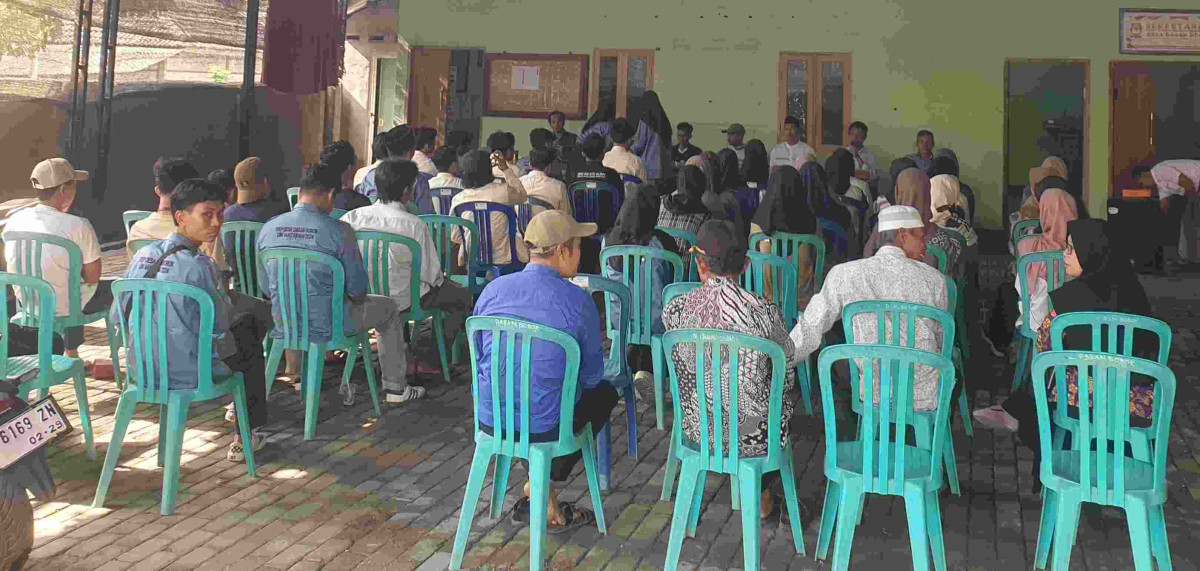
x: 479, y: 465
x: 852, y: 498
x: 951, y: 462
x: 656, y: 361
x: 273, y: 363
x: 604, y: 455
x: 735, y: 499
x: 933, y: 528
x: 589, y: 465
x: 125, y: 408
x: 1158, y: 538
x: 682, y: 513
x: 439, y: 332
x: 85, y: 417
x: 631, y: 427
x: 243, y: 419
x: 113, y: 352
x: 1064, y: 532
x: 750, y: 484
x: 312, y: 386
x: 804, y: 379
x: 918, y: 538
x: 829, y: 514
x: 697, y: 501
x: 365, y: 343
x: 499, y: 484
x: 177, y: 413
x: 163, y: 409
x: 788, y: 473
x: 964, y: 412
x: 539, y: 491
x: 671, y: 470
x: 1046, y: 528
x: 1024, y: 346
x: 1139, y: 535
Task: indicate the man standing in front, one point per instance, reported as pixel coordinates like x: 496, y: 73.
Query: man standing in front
x: 541, y: 294
x: 792, y: 151
x: 308, y: 226
x: 734, y: 134
x: 563, y: 138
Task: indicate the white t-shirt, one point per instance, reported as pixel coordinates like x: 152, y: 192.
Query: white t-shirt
x: 1166, y: 175
x: 794, y: 155
x: 55, y: 262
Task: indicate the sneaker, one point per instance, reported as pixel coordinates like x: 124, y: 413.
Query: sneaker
x: 230, y: 415
x: 996, y: 418
x: 238, y: 454
x: 643, y: 386
x: 347, y: 392
x: 409, y: 393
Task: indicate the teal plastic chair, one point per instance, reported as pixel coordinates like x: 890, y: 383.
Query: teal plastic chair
x: 239, y: 239
x: 787, y: 245
x: 49, y: 369
x: 716, y: 350
x: 637, y: 276
x: 379, y: 250
x: 1095, y: 474
x: 135, y: 245
x: 1055, y: 275
x: 677, y: 289
x: 895, y: 325
x: 939, y: 256
x: 776, y: 273
x: 685, y: 240
x: 291, y: 286
x: 510, y: 338
x: 1023, y: 228
x: 1112, y: 334
x: 146, y: 344
x: 293, y: 196
x: 616, y: 371
x: 954, y: 302
x: 443, y: 228
x: 28, y: 249
x: 337, y: 213
x: 129, y: 217
x: 879, y: 461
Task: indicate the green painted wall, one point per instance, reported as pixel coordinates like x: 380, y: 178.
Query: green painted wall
x: 916, y: 64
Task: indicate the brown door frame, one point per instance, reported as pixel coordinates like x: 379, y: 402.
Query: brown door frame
x: 814, y: 124
x: 1087, y: 116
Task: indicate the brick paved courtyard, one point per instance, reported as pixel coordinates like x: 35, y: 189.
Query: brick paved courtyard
x: 384, y: 493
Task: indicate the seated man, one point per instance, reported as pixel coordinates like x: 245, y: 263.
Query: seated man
x: 55, y: 181
x: 394, y: 179
x: 540, y: 139
x: 400, y: 143
x: 722, y: 303
x: 379, y: 152
x: 239, y: 322
x: 445, y: 160
x: 593, y: 169
x: 897, y: 272
x: 224, y: 179
x: 338, y: 158
x: 253, y: 195
x: 309, y: 226
x: 160, y: 224
x: 477, y: 168
x: 542, y: 186
x: 620, y: 158
x: 542, y: 294
x: 426, y: 142
x: 505, y: 144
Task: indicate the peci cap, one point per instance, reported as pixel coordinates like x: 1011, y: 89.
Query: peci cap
x: 553, y: 227
x: 720, y: 241
x: 245, y: 175
x: 54, y: 172
x: 900, y: 216
x: 735, y: 129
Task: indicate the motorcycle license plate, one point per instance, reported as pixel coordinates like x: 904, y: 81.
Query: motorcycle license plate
x: 32, y: 429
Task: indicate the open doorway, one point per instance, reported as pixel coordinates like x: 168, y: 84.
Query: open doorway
x: 1155, y: 109
x: 1045, y: 114
x: 446, y: 89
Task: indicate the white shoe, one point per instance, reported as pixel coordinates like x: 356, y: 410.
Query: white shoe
x: 238, y: 454
x: 347, y: 392
x: 409, y: 393
x: 230, y: 414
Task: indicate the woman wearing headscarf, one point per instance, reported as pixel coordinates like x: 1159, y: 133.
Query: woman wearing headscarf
x: 1104, y: 281
x: 913, y: 189
x: 784, y: 208
x: 684, y: 209
x: 606, y: 111
x: 653, y: 139
x: 720, y: 203
x: 756, y: 167
x: 946, y: 162
x: 849, y: 197
x: 731, y: 175
x: 1056, y: 209
x: 634, y: 226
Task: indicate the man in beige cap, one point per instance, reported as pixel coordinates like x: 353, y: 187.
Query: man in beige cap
x: 55, y: 181
x: 541, y: 294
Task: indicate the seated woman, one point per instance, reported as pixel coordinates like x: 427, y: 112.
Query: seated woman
x: 756, y: 167
x: 721, y: 303
x: 913, y: 189
x: 684, y: 209
x: 1105, y: 281
x: 1057, y: 209
x: 784, y: 209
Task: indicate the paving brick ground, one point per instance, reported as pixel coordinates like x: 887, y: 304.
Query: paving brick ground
x: 384, y: 493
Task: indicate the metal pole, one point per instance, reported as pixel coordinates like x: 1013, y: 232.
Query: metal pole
x: 108, y: 66
x: 79, y: 77
x: 246, y: 98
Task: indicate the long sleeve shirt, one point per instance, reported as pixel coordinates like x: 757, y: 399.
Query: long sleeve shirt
x: 510, y: 192
x: 394, y: 218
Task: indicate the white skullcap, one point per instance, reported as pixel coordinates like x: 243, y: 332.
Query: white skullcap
x: 897, y: 217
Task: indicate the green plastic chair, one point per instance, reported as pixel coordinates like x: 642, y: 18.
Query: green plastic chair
x: 895, y: 325
x: 512, y: 337
x: 290, y: 276
x: 1023, y: 228
x: 146, y: 334
x: 787, y: 245
x: 1112, y: 334
x: 50, y: 369
x: 879, y: 461
x: 135, y: 245
x: 293, y: 196
x: 939, y: 256
x: 442, y: 228
x: 238, y: 239
x: 685, y: 240
x: 716, y: 350
x: 337, y: 213
x: 377, y: 254
x: 28, y: 249
x: 964, y: 406
x: 1055, y: 276
x: 639, y: 281
x: 677, y: 289
x: 777, y: 273
x: 129, y: 217
x: 1108, y: 479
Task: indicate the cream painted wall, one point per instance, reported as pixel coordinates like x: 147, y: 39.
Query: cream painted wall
x: 916, y: 64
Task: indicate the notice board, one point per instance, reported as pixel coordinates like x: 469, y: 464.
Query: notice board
x: 533, y: 85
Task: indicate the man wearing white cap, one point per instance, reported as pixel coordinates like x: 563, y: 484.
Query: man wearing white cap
x: 897, y: 272
x: 55, y: 181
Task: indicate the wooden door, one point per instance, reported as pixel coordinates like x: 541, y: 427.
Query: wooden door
x: 429, y: 91
x: 1132, y: 136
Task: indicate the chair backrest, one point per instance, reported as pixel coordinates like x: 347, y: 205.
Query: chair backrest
x: 293, y: 196
x: 615, y: 362
x: 896, y: 323
x: 1112, y: 333
x: 337, y: 213
x: 747, y: 201
x: 1055, y: 273
x: 28, y: 247
x: 40, y: 314
x: 587, y: 204
x: 442, y: 228
x: 485, y: 210
x: 637, y: 274
x: 135, y: 245
x: 1025, y: 238
x: 884, y: 427
x: 238, y: 239
x: 509, y: 343
x: 291, y: 287
x: 525, y: 211
x: 144, y: 323
x: 716, y: 352
x: 685, y: 240
x: 780, y: 280
x: 836, y: 234
x: 131, y: 216
x: 677, y: 289
x: 788, y: 246
x: 1024, y: 228
x: 939, y: 255
x: 378, y: 255
x: 1103, y: 474
x: 442, y: 196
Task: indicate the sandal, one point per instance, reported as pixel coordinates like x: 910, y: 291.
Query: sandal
x: 576, y: 518
x: 520, y: 512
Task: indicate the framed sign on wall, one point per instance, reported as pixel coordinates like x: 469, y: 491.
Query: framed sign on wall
x: 1164, y: 32
x: 533, y: 85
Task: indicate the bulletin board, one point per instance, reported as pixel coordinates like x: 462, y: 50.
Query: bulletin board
x: 533, y: 85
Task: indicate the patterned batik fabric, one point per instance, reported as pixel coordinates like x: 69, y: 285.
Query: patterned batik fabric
x: 1141, y: 397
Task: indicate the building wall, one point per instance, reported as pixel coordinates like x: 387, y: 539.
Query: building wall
x: 916, y: 64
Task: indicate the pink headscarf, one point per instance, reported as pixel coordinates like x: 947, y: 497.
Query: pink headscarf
x: 1055, y: 209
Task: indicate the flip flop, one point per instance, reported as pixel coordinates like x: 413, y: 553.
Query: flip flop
x: 520, y: 512
x: 576, y: 518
